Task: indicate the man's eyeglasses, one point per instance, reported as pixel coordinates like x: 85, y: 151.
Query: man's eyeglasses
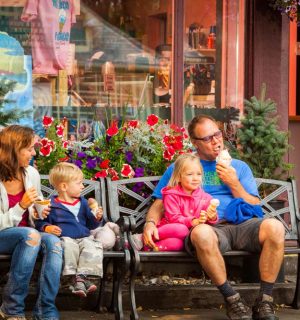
x: 208, y: 139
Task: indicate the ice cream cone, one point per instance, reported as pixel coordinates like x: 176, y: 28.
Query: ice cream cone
x: 93, y: 205
x: 224, y: 158
x: 214, y: 203
x: 40, y: 205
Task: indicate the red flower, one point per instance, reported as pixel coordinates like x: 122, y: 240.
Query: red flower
x: 127, y: 171
x: 112, y: 130
x: 104, y: 164
x: 133, y: 123
x: 152, y: 120
x: 175, y: 128
x: 60, y: 130
x: 169, y: 154
x: 63, y: 159
x: 45, y: 151
x: 101, y: 174
x: 173, y: 141
x: 47, y: 121
x: 112, y: 172
x: 65, y: 144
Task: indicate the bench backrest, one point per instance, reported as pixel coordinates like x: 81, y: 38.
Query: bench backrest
x: 132, y: 197
x: 93, y: 189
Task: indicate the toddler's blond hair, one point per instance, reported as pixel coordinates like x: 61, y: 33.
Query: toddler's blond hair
x: 63, y: 172
x: 180, y: 166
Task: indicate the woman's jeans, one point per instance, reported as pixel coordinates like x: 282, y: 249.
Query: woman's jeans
x: 24, y: 244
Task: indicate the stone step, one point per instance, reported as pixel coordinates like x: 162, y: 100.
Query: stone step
x: 162, y: 297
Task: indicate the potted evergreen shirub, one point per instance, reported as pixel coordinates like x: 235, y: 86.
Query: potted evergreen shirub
x: 260, y: 142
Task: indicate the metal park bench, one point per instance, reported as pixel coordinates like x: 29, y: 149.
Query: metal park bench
x: 120, y: 257
x: 126, y: 200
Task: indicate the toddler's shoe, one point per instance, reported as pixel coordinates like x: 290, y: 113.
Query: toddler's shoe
x: 89, y: 286
x: 79, y: 288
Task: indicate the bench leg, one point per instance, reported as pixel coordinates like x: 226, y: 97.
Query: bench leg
x: 296, y: 301
x: 121, y: 268
x: 101, y: 294
x: 134, y: 269
x: 135, y: 266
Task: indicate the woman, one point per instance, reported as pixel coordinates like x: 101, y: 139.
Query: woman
x: 19, y: 189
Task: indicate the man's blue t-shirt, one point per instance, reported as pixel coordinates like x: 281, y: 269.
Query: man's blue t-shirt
x: 212, y: 183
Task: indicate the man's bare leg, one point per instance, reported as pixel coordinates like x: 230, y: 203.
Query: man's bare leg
x: 205, y: 241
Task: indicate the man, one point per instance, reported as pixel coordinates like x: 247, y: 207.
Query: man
x: 209, y: 242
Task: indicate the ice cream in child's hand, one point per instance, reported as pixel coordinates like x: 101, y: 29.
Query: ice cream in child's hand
x: 214, y: 203
x: 93, y: 205
x: 224, y: 158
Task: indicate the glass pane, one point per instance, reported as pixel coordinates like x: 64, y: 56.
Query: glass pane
x: 90, y: 59
x: 213, y: 56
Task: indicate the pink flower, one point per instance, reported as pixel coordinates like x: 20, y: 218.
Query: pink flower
x: 47, y: 121
x: 101, y: 174
x: 152, y: 120
x: 60, y: 130
x: 127, y: 171
x: 112, y: 130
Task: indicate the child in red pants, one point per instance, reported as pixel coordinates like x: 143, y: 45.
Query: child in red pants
x: 186, y: 204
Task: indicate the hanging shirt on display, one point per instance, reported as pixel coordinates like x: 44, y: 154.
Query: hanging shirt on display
x: 50, y: 33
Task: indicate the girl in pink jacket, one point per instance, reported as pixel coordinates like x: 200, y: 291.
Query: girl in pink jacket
x: 186, y: 204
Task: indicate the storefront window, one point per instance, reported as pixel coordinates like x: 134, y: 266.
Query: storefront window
x: 97, y: 60
x: 213, y: 56
x: 88, y: 59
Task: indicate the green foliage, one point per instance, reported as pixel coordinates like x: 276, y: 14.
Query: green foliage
x: 260, y: 141
x: 12, y: 115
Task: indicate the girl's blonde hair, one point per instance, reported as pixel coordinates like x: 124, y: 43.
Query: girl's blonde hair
x: 180, y: 166
x: 63, y: 172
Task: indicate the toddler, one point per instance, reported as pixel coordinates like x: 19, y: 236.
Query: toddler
x: 186, y: 205
x: 71, y: 219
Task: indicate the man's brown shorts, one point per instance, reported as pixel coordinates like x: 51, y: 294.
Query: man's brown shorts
x: 242, y: 236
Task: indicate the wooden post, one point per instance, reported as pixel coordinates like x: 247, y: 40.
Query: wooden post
x: 62, y: 88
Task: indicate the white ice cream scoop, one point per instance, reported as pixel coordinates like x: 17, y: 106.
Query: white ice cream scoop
x: 224, y: 157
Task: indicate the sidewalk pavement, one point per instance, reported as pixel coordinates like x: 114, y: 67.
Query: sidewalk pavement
x: 207, y: 314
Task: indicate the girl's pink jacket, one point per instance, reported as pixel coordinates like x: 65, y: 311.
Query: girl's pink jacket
x: 181, y: 207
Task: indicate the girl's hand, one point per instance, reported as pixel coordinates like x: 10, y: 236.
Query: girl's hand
x: 29, y: 197
x: 195, y: 222
x: 212, y: 214
x: 53, y: 230
x: 99, y: 214
x: 203, y: 217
